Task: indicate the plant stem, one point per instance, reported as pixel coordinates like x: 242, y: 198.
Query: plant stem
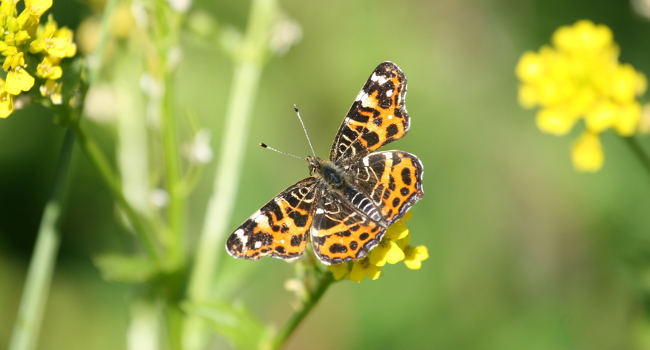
x: 41, y: 266
x: 174, y: 242
x: 244, y: 87
x: 94, y: 60
x: 39, y: 275
x: 324, y: 281
x: 166, y: 35
x: 639, y: 152
x: 108, y: 175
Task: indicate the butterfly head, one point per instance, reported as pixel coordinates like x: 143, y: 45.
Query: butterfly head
x: 314, y: 164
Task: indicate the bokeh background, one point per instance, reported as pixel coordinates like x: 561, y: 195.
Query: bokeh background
x: 525, y: 252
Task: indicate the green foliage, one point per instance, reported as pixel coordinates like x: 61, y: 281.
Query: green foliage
x: 235, y: 322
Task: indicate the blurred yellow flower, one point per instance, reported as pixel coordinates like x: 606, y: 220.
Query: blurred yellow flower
x: 579, y: 77
x: 6, y: 101
x: 587, y: 153
x: 415, y: 256
x: 393, y: 248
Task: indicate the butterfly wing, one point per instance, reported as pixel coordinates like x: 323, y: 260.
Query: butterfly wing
x: 339, y: 232
x: 392, y: 180
x: 377, y: 116
x: 279, y: 228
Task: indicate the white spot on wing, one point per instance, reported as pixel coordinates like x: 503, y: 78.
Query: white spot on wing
x: 361, y: 96
x: 242, y: 238
x: 365, y: 161
x: 378, y: 78
x: 390, y: 116
x: 389, y: 93
x: 367, y: 102
x: 320, y: 211
x: 258, y: 244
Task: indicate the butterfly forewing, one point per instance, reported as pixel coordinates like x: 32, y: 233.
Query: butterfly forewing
x: 279, y: 228
x: 377, y: 116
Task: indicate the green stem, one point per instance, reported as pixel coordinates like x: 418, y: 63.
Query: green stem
x: 172, y: 174
x: 94, y: 60
x: 639, y: 152
x: 324, y: 281
x: 244, y: 87
x: 102, y: 165
x: 41, y: 266
x: 166, y: 36
x: 39, y: 275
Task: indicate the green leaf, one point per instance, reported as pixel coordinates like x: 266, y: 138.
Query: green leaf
x: 124, y: 268
x: 234, y: 322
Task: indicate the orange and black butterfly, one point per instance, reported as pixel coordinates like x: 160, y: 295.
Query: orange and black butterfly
x: 349, y: 200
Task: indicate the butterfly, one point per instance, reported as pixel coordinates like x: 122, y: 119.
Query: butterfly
x: 344, y: 207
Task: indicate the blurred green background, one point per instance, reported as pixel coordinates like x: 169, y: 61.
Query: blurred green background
x: 524, y: 251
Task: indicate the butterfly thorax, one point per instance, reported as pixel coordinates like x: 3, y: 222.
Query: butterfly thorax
x: 327, y: 170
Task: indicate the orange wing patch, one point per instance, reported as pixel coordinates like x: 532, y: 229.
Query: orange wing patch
x: 340, y: 233
x: 393, y: 181
x: 377, y: 116
x: 279, y: 228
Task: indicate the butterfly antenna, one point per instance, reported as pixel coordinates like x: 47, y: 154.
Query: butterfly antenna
x: 295, y: 108
x: 264, y: 145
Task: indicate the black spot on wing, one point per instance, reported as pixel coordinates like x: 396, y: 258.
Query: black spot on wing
x: 406, y: 176
x: 272, y: 207
x: 356, y: 116
x: 391, y: 130
x: 371, y: 138
x: 338, y: 248
x: 296, y: 240
x: 298, y: 219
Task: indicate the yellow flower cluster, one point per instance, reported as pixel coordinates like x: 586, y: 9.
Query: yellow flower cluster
x: 579, y: 77
x: 22, y: 41
x: 393, y: 248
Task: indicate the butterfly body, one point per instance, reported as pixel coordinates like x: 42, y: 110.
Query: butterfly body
x: 350, y: 199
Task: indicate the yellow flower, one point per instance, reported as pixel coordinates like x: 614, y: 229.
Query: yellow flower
x: 52, y: 89
x: 415, y: 256
x: 555, y: 121
x: 37, y: 7
x: 363, y: 268
x: 49, y: 68
x: 393, y: 248
x: 18, y: 80
x: 24, y: 40
x: 339, y: 271
x: 55, y: 41
x: 587, y: 153
x: 6, y: 101
x: 386, y: 252
x: 13, y: 59
x: 579, y: 78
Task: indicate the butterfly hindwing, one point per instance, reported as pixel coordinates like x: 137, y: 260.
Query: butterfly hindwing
x: 391, y: 179
x: 279, y: 228
x: 377, y: 116
x: 339, y: 232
